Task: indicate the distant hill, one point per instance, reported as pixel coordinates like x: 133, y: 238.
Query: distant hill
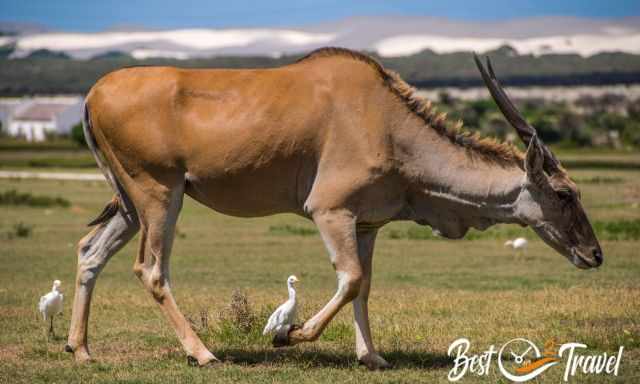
x: 427, y: 68
x: 389, y: 36
x: 47, y: 54
x: 47, y: 73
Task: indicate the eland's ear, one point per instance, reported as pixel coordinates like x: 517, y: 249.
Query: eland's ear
x: 534, y: 163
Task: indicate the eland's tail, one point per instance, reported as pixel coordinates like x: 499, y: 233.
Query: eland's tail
x: 112, y: 207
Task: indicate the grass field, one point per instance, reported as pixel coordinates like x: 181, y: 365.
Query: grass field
x: 426, y: 293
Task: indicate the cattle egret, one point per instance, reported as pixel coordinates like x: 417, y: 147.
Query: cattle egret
x: 51, y: 305
x: 519, y: 244
x: 285, y: 315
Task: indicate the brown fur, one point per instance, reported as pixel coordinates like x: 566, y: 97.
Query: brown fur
x: 489, y: 148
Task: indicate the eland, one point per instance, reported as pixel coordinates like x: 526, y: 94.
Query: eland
x: 335, y: 138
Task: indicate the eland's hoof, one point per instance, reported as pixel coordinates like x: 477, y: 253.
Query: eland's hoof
x: 192, y: 361
x: 208, y: 360
x: 281, y: 338
x: 80, y: 354
x: 374, y: 362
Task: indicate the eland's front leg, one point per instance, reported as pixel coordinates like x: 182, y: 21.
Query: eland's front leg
x: 367, y: 354
x: 338, y: 231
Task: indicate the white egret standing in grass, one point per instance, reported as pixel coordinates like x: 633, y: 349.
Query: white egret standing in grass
x: 51, y: 305
x: 519, y: 244
x: 285, y: 315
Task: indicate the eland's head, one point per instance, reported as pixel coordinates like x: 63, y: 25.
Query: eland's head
x: 549, y: 200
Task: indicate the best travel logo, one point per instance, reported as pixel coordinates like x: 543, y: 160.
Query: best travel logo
x: 520, y: 360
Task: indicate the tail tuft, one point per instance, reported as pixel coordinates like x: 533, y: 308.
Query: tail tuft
x: 117, y: 202
x: 110, y: 210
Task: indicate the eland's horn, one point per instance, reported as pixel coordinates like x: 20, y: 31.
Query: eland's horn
x: 513, y: 115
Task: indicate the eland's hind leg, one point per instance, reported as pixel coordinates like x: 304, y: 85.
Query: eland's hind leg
x: 94, y: 251
x: 158, y: 215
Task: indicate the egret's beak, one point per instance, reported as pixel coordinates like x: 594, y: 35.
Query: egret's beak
x: 295, y: 280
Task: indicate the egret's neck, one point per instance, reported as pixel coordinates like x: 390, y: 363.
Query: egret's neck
x: 292, y: 291
x: 55, y: 288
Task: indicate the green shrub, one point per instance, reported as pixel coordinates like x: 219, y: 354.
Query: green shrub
x: 13, y: 197
x: 77, y: 135
x: 238, y: 323
x: 547, y: 127
x: 20, y: 230
x: 631, y: 133
x: 618, y: 230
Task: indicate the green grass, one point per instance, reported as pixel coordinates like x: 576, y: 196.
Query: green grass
x: 47, y: 158
x: 425, y: 294
x: 51, y: 144
x: 287, y: 229
x: 599, y: 180
x: 618, y: 230
x: 603, y: 161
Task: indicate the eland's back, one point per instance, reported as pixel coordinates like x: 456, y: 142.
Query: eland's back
x: 233, y: 133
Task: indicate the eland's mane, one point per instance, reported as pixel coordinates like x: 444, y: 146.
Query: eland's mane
x: 488, y: 148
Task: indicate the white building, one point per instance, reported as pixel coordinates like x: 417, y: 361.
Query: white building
x: 8, y: 106
x: 35, y: 118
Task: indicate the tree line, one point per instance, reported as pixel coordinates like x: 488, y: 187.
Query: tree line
x: 46, y: 72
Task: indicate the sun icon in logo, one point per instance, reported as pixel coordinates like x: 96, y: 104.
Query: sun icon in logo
x: 520, y: 360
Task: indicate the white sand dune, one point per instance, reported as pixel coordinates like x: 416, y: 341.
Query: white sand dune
x: 142, y: 54
x: 585, y: 45
x: 189, y: 39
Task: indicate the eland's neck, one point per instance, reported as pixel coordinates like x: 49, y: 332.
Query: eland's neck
x: 452, y: 187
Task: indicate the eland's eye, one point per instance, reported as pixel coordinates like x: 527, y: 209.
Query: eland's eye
x: 564, y: 194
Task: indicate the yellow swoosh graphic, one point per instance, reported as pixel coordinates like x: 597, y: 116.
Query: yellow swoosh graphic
x: 536, y: 364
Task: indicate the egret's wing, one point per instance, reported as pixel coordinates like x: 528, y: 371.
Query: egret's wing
x: 41, y: 304
x: 289, y: 313
x: 273, y: 321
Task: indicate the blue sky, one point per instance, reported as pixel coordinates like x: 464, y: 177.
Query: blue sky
x: 93, y: 15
